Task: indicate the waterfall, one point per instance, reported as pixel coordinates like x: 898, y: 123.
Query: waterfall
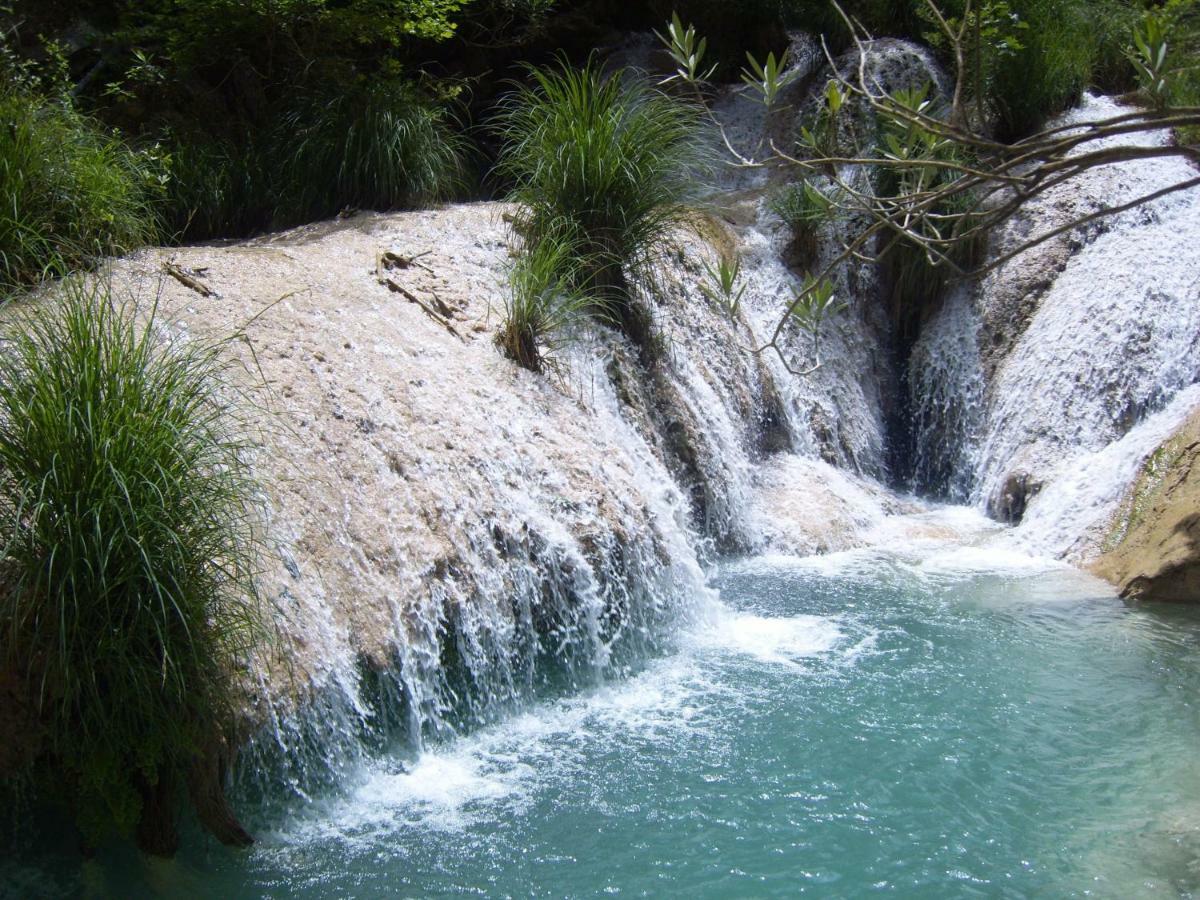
x: 945, y: 378
x: 460, y: 538
x: 1029, y: 374
x: 485, y: 537
x: 840, y: 411
x: 536, y: 593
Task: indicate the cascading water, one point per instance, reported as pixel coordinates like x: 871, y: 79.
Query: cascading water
x: 524, y: 602
x: 518, y: 590
x: 1060, y: 353
x: 946, y: 379
x: 514, y: 674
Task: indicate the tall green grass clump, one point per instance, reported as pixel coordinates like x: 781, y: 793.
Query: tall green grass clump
x: 127, y: 511
x: 382, y: 146
x: 545, y: 306
x: 379, y: 146
x: 608, y: 164
x: 219, y: 188
x: 1065, y: 47
x: 70, y: 191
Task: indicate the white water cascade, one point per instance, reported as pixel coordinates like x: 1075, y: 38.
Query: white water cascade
x: 569, y: 526
x: 1073, y: 358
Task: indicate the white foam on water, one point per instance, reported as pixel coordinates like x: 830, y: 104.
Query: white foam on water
x: 845, y: 564
x: 960, y: 562
x: 770, y: 639
x: 498, y: 770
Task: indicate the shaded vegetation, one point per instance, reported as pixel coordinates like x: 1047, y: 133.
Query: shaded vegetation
x: 70, y: 191
x: 378, y: 146
x: 804, y: 208
x: 256, y: 103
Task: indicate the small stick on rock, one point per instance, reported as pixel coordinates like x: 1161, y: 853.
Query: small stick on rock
x: 187, y: 279
x: 408, y: 295
x: 441, y: 305
x: 389, y: 259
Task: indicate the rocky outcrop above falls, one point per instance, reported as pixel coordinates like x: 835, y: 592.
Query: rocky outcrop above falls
x: 432, y: 508
x: 1154, y: 552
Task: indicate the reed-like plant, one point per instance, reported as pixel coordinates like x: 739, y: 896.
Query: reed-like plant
x: 70, y: 191
x: 804, y: 208
x: 607, y: 163
x: 545, y: 306
x: 127, y: 511
x: 722, y: 287
x: 379, y: 146
x: 219, y: 188
x: 814, y: 304
x: 382, y: 146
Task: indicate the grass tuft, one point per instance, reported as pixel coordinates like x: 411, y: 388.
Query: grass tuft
x: 804, y: 208
x: 126, y: 506
x: 546, y: 305
x: 70, y: 192
x: 381, y: 147
x: 608, y: 165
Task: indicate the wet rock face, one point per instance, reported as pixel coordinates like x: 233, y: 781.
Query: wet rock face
x: 1066, y: 364
x: 1009, y: 503
x: 1154, y: 553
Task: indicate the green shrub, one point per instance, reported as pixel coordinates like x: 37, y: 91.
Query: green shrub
x: 70, y: 192
x: 607, y: 164
x: 918, y: 261
x: 760, y: 26
x: 127, y: 511
x: 545, y: 304
x: 1066, y: 48
x: 218, y: 188
x: 382, y: 146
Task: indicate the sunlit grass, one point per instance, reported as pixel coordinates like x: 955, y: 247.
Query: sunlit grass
x: 607, y: 163
x: 128, y: 515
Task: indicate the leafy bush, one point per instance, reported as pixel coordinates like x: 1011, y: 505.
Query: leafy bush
x: 918, y: 259
x: 607, y: 164
x: 1166, y: 45
x: 126, y: 507
x: 70, y: 192
x: 760, y: 26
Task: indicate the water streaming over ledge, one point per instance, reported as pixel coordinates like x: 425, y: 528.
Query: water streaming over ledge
x: 572, y: 706
x: 1066, y: 351
x: 926, y: 719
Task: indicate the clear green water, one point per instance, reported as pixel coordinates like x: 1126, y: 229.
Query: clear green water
x: 854, y: 726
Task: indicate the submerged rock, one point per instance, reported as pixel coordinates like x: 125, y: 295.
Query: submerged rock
x: 1155, y: 547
